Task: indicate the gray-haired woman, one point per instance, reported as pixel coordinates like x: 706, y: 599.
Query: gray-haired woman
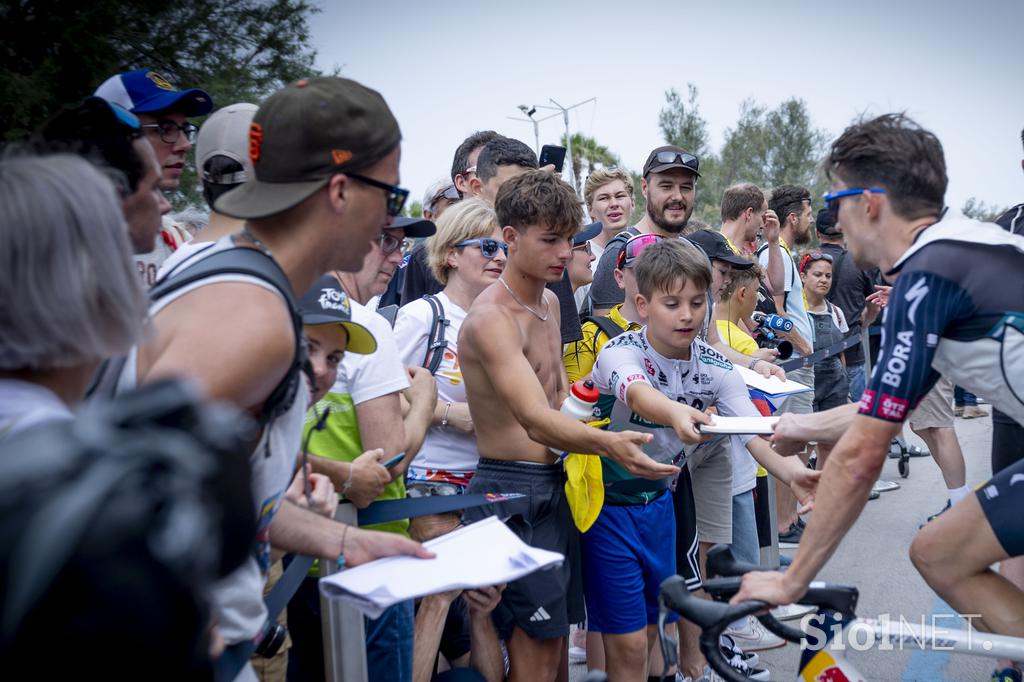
x: 71, y: 297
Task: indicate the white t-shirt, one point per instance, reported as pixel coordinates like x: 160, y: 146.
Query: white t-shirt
x: 24, y: 404
x: 149, y: 264
x: 238, y: 598
x: 795, y: 308
x: 444, y: 448
x: 365, y: 377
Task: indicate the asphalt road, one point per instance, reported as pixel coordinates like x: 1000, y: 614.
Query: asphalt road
x: 873, y: 556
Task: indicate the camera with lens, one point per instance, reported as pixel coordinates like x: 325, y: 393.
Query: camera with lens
x: 768, y: 333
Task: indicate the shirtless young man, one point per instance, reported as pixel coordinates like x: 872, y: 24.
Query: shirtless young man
x: 511, y: 355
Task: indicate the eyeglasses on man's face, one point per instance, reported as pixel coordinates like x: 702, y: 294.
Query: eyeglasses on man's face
x: 389, y: 243
x: 169, y: 131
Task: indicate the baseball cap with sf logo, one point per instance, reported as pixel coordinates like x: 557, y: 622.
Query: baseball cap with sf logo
x: 305, y: 133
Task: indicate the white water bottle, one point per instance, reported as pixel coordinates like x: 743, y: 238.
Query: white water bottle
x: 580, y: 403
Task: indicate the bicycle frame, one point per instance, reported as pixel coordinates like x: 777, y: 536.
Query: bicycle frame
x: 823, y: 658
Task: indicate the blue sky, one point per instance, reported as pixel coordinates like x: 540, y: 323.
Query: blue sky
x: 450, y: 68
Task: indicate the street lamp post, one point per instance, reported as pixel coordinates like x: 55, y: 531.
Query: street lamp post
x: 530, y: 111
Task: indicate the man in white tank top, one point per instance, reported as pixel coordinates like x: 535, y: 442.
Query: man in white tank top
x: 322, y: 186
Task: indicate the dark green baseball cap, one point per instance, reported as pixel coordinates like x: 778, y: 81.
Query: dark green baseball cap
x: 305, y: 133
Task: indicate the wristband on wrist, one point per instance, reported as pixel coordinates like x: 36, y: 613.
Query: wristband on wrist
x: 348, y: 481
x: 753, y: 362
x: 341, y: 552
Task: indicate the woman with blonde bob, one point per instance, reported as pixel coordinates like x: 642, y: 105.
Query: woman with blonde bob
x: 71, y: 296
x: 466, y: 255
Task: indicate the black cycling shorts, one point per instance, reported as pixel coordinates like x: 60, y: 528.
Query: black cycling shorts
x: 1001, y: 499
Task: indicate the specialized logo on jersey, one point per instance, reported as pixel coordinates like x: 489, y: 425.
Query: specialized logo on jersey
x: 914, y: 297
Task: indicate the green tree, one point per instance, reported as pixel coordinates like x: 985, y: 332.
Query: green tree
x: 413, y: 210
x: 682, y: 125
x: 979, y: 210
x: 681, y: 122
x: 587, y: 150
x: 55, y: 52
x: 773, y: 147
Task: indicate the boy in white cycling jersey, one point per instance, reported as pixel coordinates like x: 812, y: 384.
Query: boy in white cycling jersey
x: 658, y: 376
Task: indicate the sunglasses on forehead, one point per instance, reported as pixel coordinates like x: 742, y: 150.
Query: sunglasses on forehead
x: 633, y: 248
x: 488, y: 247
x: 688, y: 160
x: 812, y: 257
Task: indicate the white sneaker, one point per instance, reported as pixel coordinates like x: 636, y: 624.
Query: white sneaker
x: 791, y: 611
x: 754, y: 637
x: 731, y: 649
x: 577, y: 654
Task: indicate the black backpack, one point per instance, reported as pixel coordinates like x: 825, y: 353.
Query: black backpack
x: 606, y: 325
x: 235, y: 260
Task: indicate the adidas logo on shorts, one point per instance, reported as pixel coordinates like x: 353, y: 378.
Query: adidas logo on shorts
x: 539, y: 615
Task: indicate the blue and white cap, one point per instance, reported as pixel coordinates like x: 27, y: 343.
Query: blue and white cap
x: 143, y: 91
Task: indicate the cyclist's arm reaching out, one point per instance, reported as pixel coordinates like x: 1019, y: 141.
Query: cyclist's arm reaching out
x: 920, y: 306
x: 843, y: 490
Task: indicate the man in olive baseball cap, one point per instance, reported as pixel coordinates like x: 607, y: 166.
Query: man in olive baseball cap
x: 308, y: 132
x: 325, y: 155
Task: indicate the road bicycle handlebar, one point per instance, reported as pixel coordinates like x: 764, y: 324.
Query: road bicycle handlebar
x: 712, y: 617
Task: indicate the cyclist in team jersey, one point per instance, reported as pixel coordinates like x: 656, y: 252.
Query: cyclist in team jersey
x: 956, y: 309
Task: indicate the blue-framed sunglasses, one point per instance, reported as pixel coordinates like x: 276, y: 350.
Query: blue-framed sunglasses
x: 488, y: 247
x: 832, y: 198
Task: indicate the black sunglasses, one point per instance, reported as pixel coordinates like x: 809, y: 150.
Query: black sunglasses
x: 688, y: 160
x: 396, y: 195
x: 488, y: 247
x: 170, y: 131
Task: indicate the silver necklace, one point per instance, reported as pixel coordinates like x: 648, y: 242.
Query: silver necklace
x: 542, y: 318
x: 244, y: 232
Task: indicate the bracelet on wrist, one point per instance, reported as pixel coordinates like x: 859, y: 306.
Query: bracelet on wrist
x: 753, y: 362
x: 341, y: 552
x: 348, y: 481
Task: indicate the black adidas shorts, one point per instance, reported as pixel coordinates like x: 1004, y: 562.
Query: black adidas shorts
x: 687, y: 556
x: 1001, y: 500
x: 544, y: 603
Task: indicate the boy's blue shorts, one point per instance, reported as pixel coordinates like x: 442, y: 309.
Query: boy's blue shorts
x: 627, y: 553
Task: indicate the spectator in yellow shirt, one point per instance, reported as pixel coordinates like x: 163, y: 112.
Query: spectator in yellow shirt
x: 735, y: 306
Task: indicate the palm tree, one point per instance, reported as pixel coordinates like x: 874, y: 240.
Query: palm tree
x: 586, y: 149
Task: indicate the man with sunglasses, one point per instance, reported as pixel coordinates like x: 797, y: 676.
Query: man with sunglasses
x: 323, y: 184
x: 955, y: 310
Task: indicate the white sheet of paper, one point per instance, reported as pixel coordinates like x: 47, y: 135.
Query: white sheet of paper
x: 479, y: 555
x: 772, y: 386
x: 760, y: 426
